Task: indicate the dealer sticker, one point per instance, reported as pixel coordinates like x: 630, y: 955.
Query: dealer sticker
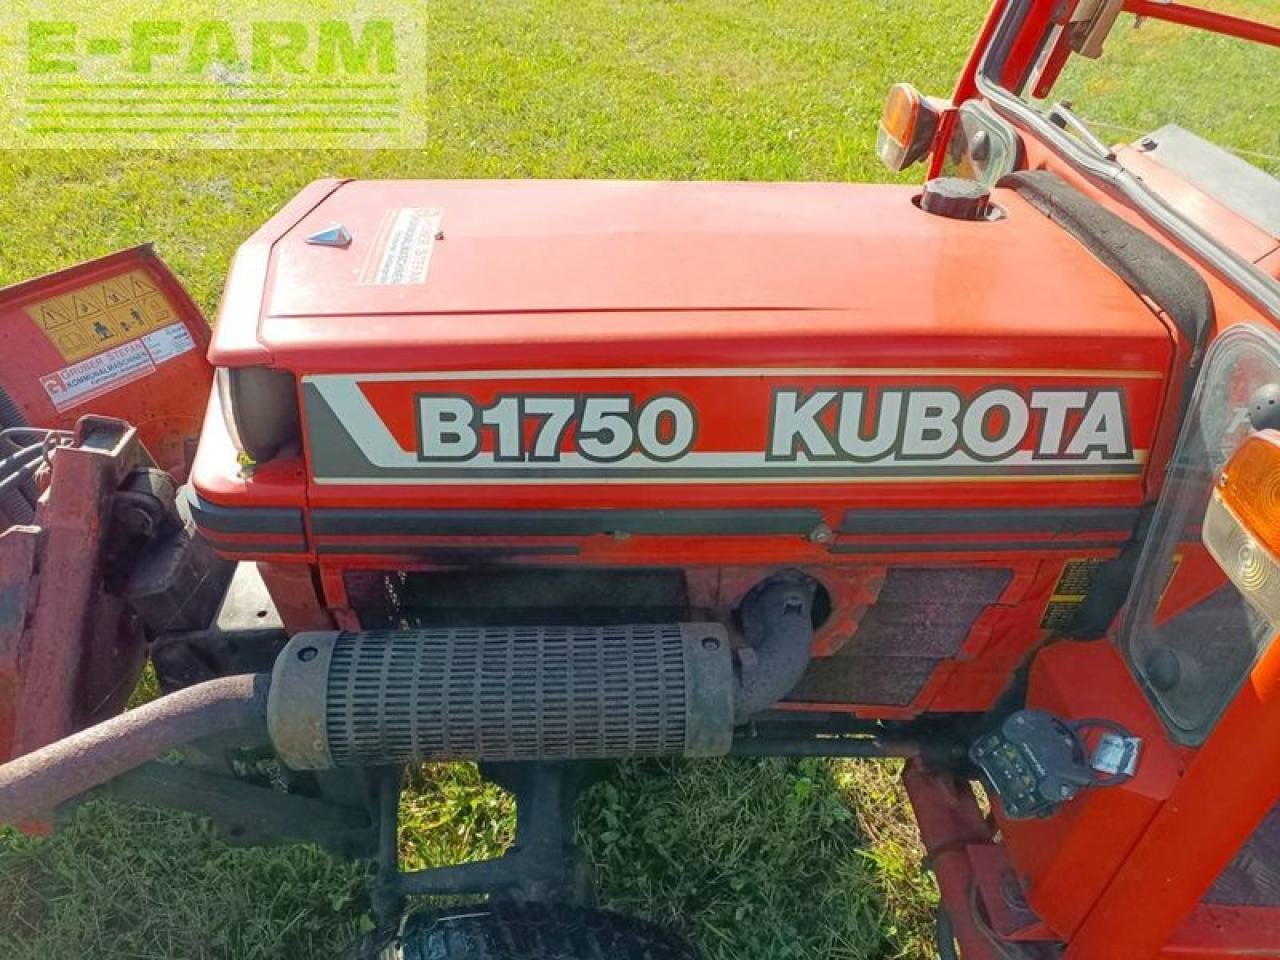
x: 407, y: 240
x: 91, y: 378
x: 81, y: 382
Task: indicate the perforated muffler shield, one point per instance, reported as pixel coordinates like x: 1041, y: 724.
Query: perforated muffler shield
x: 518, y: 693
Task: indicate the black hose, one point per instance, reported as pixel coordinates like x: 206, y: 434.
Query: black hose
x: 15, y: 478
x: 15, y: 507
x: 19, y: 458
x: 18, y: 437
x: 18, y: 496
x: 777, y: 619
x: 10, y: 414
x: 946, y: 935
x: 14, y: 503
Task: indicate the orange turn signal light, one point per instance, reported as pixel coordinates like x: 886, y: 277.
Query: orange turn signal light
x: 1242, y: 522
x: 908, y: 124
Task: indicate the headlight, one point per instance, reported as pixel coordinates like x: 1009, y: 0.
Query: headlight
x: 260, y: 409
x: 1205, y: 596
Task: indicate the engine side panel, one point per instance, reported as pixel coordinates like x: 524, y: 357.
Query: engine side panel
x: 948, y: 424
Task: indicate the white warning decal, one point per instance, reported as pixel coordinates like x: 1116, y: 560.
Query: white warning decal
x: 169, y: 342
x: 410, y: 237
x: 81, y: 382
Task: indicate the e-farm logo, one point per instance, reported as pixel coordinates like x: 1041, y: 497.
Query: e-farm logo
x: 341, y: 73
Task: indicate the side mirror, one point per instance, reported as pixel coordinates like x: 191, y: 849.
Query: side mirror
x: 1091, y: 24
x: 907, y: 127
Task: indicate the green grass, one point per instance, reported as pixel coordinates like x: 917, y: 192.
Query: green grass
x: 784, y: 860
x: 757, y: 861
x: 787, y: 859
x: 1159, y: 73
x: 789, y: 89
x: 121, y: 881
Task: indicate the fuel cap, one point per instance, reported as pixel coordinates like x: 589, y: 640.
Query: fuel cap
x: 956, y: 198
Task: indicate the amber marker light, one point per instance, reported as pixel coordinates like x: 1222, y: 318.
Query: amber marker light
x: 1242, y: 523
x: 908, y: 124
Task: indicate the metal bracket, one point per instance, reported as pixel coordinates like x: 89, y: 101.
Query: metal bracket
x: 541, y: 865
x: 247, y: 813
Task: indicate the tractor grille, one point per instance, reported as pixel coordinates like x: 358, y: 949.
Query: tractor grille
x: 409, y: 599
x: 920, y: 619
x: 506, y: 693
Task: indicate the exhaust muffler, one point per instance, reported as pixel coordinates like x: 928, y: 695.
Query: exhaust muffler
x: 486, y: 694
x: 536, y: 693
x: 518, y: 693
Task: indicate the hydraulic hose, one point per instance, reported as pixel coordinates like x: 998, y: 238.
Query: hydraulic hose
x: 38, y: 782
x: 10, y: 414
x: 13, y: 504
x: 22, y: 451
x: 15, y: 470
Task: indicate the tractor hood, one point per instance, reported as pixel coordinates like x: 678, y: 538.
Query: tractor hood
x: 569, y: 343
x: 439, y: 275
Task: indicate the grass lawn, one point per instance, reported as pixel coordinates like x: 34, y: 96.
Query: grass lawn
x: 756, y: 860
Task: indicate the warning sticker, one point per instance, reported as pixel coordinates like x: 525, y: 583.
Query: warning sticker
x: 406, y: 252
x: 169, y: 342
x: 103, y: 315
x: 113, y: 368
x: 1077, y: 579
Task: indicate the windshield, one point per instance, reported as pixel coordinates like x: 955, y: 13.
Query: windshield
x: 1153, y: 74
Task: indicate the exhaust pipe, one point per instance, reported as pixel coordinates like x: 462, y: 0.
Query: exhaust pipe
x: 486, y: 694
x: 502, y: 693
x: 537, y: 693
x: 39, y: 781
x: 777, y: 619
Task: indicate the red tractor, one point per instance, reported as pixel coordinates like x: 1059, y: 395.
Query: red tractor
x: 984, y: 474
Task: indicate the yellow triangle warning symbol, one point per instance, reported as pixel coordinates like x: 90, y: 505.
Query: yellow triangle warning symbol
x: 84, y: 306
x: 117, y: 291
x: 55, y: 315
x: 141, y: 285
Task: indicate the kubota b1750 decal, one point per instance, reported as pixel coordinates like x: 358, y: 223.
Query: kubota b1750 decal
x: 731, y: 426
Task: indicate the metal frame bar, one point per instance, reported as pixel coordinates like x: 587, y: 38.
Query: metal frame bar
x: 950, y: 821
x: 246, y: 813
x: 1201, y: 19
x: 539, y: 866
